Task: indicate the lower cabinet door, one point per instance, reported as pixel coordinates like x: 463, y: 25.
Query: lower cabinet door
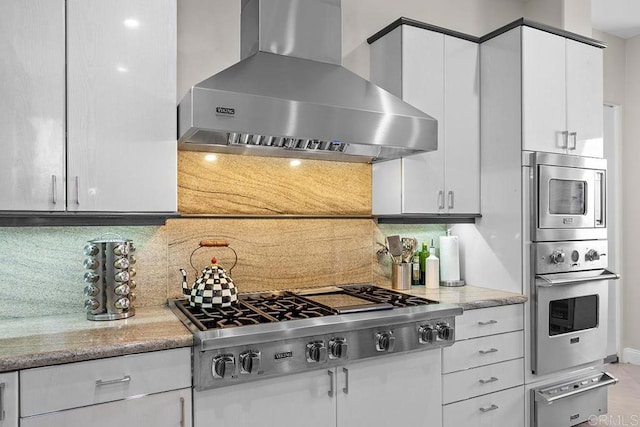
x: 288, y: 401
x: 503, y: 408
x: 9, y: 399
x: 402, y: 390
x: 168, y: 409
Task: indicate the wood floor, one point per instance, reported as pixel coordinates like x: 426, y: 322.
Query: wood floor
x: 624, y: 398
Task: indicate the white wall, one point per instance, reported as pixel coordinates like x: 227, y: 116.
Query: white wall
x: 209, y: 30
x: 630, y: 199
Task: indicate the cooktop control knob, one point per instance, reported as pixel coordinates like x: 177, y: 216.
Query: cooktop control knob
x: 223, y: 365
x: 316, y: 352
x: 249, y: 362
x: 592, y: 255
x: 427, y: 334
x: 445, y: 332
x: 557, y: 257
x: 385, y: 341
x: 338, y: 348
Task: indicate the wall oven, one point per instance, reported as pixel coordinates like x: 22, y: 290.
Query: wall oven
x: 570, y: 292
x: 569, y: 197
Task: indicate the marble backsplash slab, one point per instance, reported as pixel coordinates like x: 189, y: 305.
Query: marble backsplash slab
x: 41, y: 267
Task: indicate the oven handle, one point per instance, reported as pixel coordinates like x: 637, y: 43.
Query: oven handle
x: 550, y: 282
x: 605, y: 380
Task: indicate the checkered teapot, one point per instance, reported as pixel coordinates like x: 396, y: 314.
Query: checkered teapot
x: 214, y: 288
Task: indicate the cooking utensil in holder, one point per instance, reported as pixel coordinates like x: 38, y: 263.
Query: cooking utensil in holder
x: 110, y: 283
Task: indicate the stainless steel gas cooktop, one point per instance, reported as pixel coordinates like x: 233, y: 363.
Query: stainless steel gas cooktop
x: 278, y: 333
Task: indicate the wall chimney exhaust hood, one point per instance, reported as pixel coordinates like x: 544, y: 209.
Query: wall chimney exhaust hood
x: 290, y: 97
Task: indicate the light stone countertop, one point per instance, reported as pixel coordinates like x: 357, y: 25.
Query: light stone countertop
x: 51, y: 340
x: 468, y: 297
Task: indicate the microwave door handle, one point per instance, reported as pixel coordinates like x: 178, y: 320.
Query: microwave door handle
x: 551, y: 281
x: 605, y: 380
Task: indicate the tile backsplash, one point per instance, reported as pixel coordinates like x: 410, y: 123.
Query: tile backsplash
x: 41, y: 268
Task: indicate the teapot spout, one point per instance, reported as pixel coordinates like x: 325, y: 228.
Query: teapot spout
x: 185, y: 285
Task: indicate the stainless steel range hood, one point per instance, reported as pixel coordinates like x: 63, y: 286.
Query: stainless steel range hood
x: 290, y: 96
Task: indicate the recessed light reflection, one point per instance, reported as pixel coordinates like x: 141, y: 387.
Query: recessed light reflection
x: 295, y: 162
x: 131, y: 23
x: 211, y: 157
x: 122, y: 69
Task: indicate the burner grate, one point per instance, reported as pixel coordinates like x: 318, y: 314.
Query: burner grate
x: 397, y: 299
x: 286, y: 307
x: 223, y: 318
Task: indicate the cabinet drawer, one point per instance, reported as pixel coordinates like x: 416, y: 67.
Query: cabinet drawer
x: 489, y: 321
x: 483, y: 380
x: 54, y: 388
x: 503, y: 408
x: 482, y: 351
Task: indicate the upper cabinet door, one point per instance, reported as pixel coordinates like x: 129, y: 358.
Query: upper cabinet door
x: 121, y: 105
x: 461, y: 126
x: 584, y: 99
x: 32, y: 110
x: 544, y: 123
x: 422, y: 87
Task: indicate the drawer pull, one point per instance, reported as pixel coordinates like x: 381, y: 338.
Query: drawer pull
x: 490, y: 322
x: 491, y: 350
x: 490, y: 380
x: 125, y: 379
x: 490, y: 408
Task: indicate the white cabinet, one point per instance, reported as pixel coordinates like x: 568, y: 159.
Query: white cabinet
x: 562, y: 94
x: 168, y: 409
x: 439, y: 74
x: 393, y: 390
x: 280, y: 402
x: 483, y: 372
x: 9, y: 399
x: 32, y: 109
x: 88, y: 117
x: 399, y: 390
x: 121, y: 105
x: 153, y: 386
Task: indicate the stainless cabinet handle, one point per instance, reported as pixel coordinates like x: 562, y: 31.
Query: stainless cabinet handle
x: 125, y: 379
x: 345, y: 389
x: 182, y: 412
x: 490, y: 322
x: 450, y: 194
x: 491, y: 350
x: 54, y: 189
x: 330, y: 392
x: 77, y: 191
x: 440, y: 199
x: 575, y: 141
x: 2, y: 385
x: 490, y: 408
x: 490, y: 380
x: 565, y: 138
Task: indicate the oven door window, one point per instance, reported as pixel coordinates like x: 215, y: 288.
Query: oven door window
x: 567, y: 197
x: 573, y: 314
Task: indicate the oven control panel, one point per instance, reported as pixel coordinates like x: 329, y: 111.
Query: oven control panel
x: 561, y: 257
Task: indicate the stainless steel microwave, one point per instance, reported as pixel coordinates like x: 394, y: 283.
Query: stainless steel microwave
x: 569, y: 197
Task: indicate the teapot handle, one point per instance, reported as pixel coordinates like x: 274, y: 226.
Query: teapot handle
x: 214, y: 244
